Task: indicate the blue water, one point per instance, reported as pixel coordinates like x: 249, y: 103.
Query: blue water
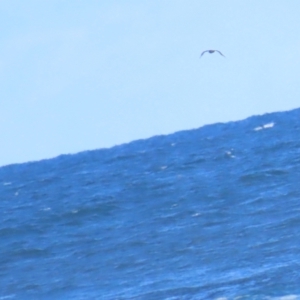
x: 211, y: 213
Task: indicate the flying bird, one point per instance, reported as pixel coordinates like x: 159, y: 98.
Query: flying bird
x: 211, y: 51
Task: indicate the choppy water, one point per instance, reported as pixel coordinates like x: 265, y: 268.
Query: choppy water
x: 212, y: 213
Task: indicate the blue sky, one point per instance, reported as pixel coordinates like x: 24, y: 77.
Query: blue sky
x: 82, y: 75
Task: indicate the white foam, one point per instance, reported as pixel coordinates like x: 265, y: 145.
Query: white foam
x: 287, y: 297
x: 7, y: 297
x: 196, y: 214
x: 229, y: 153
x: 47, y: 209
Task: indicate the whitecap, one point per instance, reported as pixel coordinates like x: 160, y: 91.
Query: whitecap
x: 268, y: 125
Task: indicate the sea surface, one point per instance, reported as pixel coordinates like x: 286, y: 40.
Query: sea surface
x: 210, y: 213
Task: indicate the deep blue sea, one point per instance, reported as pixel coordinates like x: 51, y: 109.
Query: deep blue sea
x: 210, y: 213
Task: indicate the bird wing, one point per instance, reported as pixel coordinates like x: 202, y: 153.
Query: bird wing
x: 220, y: 52
x: 203, y: 53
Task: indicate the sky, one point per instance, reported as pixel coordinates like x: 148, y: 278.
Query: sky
x: 81, y: 75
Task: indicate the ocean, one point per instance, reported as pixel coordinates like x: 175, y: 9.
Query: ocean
x: 209, y: 213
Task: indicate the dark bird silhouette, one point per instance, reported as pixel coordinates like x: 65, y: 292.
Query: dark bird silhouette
x: 211, y: 51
